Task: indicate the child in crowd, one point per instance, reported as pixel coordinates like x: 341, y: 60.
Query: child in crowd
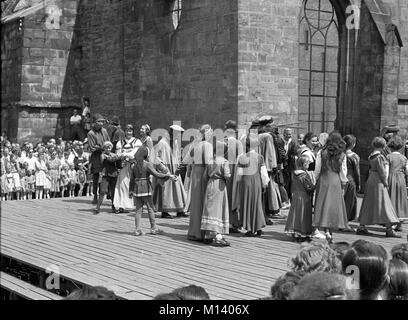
x: 30, y: 184
x: 215, y: 218
x: 23, y: 180
x: 81, y: 178
x: 140, y: 188
x: 15, y: 185
x: 396, y: 180
x: 54, y: 165
x: 64, y: 179
x: 377, y: 207
x: 40, y: 175
x: 72, y: 179
x: 299, y: 222
x: 87, y: 122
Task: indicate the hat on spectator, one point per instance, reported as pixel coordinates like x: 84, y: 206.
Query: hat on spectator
x: 98, y: 117
x: 115, y: 120
x: 265, y: 120
x: 390, y: 129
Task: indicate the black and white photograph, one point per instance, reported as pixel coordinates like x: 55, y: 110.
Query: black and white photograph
x: 231, y: 152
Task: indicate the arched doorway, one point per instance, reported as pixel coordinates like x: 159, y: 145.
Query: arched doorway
x: 318, y: 65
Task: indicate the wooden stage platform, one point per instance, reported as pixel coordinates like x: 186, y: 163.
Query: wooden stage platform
x: 101, y: 250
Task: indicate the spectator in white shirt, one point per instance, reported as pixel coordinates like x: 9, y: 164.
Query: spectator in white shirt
x: 76, y: 127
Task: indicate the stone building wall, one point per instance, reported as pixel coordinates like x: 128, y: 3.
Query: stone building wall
x: 268, y: 59
x: 46, y: 85
x: 11, y: 61
x: 137, y: 66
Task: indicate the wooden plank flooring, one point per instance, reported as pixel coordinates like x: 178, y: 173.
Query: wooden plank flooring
x: 101, y: 250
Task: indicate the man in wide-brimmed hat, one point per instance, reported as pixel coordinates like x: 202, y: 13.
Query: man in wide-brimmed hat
x: 97, y: 136
x: 387, y: 133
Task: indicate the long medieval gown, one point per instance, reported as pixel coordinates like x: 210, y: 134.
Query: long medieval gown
x: 128, y: 147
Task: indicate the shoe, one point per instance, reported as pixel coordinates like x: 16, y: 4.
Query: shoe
x: 277, y: 216
x: 329, y: 237
x: 165, y: 215
x: 391, y: 234
x: 250, y: 234
x: 156, y: 231
x: 259, y: 233
x: 182, y: 215
x: 363, y: 232
x: 318, y: 235
x: 96, y: 211
x: 269, y: 222
x: 139, y: 233
x: 234, y: 230
x: 285, y: 206
x: 114, y: 210
x: 209, y: 241
x: 220, y: 243
x: 121, y: 210
x: 398, y: 227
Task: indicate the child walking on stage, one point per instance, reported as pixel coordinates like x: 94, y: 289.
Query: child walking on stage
x: 252, y: 176
x: 396, y: 181
x: 215, y: 219
x: 140, y: 189
x: 299, y: 222
x: 109, y: 175
x: 377, y: 207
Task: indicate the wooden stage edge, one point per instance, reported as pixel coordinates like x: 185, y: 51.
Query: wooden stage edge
x: 101, y: 250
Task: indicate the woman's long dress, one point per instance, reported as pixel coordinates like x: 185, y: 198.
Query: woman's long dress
x: 216, y: 211
x: 353, y: 184
x: 248, y: 192
x: 299, y: 222
x: 397, y: 184
x: 121, y: 198
x: 377, y: 207
x: 330, y: 209
x: 53, y: 167
x: 200, y: 155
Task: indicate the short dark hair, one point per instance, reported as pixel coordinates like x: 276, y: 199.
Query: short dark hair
x: 350, y: 141
x: 191, y: 292
x: 371, y: 260
x: 395, y: 143
x: 308, y: 136
x: 322, y: 286
x: 92, y: 293
x: 284, y: 285
x: 378, y: 143
x: 231, y: 124
x: 398, y: 280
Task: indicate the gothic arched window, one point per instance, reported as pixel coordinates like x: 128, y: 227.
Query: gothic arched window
x: 176, y: 13
x: 318, y: 65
